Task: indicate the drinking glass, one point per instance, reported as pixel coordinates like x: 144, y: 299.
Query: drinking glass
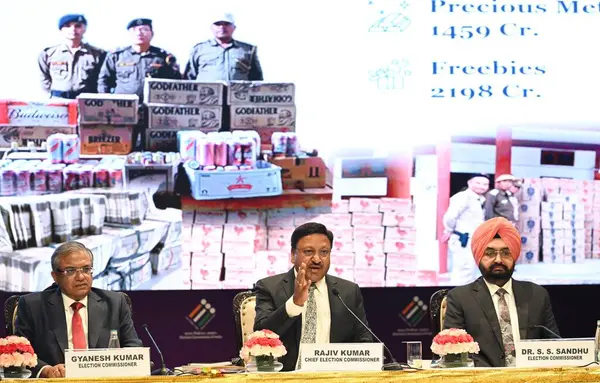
x: 414, y: 354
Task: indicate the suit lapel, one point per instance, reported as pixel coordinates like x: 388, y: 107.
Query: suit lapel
x: 96, y: 317
x: 287, y: 285
x: 522, y: 297
x: 58, y: 320
x: 483, y: 297
x: 335, y: 307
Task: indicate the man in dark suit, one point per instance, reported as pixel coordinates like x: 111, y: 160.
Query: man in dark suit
x: 497, y: 310
x: 73, y: 315
x: 300, y: 305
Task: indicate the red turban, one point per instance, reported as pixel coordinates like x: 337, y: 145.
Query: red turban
x: 486, y: 232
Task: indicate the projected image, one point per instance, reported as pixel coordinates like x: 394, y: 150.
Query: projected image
x: 109, y: 113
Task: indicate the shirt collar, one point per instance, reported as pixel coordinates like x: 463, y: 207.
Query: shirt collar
x: 215, y: 43
x: 494, y: 288
x: 320, y: 285
x: 83, y: 47
x: 68, y: 301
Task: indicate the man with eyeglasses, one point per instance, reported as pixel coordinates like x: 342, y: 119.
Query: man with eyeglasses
x: 496, y: 309
x: 72, y: 315
x: 300, y: 305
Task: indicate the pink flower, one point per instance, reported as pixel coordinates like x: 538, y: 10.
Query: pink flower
x: 454, y: 341
x: 263, y: 342
x: 19, y: 359
x: 7, y: 360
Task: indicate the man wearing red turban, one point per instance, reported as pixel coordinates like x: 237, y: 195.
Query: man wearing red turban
x: 496, y: 309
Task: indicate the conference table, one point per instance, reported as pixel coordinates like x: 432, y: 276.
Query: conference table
x: 507, y: 375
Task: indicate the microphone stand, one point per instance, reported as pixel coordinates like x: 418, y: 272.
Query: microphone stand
x: 394, y: 365
x: 163, y: 370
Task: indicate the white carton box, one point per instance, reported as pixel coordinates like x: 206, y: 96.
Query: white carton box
x: 183, y: 92
x: 207, y: 118
x: 259, y: 182
x: 247, y: 92
x: 108, y: 108
x: 252, y: 116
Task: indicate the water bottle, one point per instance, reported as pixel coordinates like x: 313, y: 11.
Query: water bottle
x: 114, y: 339
x: 597, y: 343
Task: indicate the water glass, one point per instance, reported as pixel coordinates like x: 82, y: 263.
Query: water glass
x: 414, y: 354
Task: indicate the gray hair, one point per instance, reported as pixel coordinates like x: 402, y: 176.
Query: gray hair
x: 66, y: 249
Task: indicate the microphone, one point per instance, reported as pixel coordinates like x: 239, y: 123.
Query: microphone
x: 394, y: 365
x: 163, y: 370
x: 554, y: 335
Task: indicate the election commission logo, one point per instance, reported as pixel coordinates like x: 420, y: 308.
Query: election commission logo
x: 201, y: 315
x: 414, y: 312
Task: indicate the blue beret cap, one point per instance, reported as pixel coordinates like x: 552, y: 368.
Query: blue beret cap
x: 66, y: 19
x: 138, y: 22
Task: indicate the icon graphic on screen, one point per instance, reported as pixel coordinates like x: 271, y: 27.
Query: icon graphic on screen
x: 201, y: 315
x: 390, y: 16
x: 392, y: 76
x: 414, y: 312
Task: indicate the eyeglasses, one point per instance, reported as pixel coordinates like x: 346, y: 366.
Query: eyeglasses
x: 493, y: 253
x: 70, y: 271
x: 309, y: 253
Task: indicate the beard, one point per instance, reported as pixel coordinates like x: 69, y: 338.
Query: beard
x: 496, y: 273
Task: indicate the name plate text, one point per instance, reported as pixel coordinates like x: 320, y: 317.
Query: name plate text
x: 342, y: 357
x: 554, y: 352
x: 111, y: 362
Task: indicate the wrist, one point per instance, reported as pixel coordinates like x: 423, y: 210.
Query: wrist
x: 298, y: 302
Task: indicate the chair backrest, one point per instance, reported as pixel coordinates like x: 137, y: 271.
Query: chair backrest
x: 10, y: 313
x: 244, y: 312
x: 437, y: 310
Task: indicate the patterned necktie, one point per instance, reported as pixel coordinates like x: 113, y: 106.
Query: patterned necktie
x: 79, y: 342
x: 506, y: 329
x: 309, y: 335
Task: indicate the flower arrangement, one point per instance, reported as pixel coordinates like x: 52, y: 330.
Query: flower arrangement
x: 263, y: 343
x: 16, y: 351
x: 454, y: 341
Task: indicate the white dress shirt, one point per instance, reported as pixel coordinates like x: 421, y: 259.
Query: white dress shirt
x: 69, y: 317
x: 323, y: 312
x: 509, y: 297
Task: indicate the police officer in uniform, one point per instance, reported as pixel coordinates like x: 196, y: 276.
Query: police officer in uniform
x: 464, y: 215
x: 514, y: 200
x: 498, y: 201
x: 70, y: 68
x: 125, y: 70
x: 223, y: 58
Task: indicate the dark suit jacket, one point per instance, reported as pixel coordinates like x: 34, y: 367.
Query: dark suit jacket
x: 273, y: 292
x: 41, y: 319
x: 471, y: 308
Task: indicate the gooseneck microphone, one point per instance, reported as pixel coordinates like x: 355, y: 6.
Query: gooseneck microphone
x: 554, y: 335
x: 394, y: 365
x: 163, y: 370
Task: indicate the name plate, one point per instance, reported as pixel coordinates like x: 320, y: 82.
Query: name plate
x: 109, y: 362
x: 342, y: 357
x: 554, y: 352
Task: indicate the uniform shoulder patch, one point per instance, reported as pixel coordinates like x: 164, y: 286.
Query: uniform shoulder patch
x: 118, y: 50
x: 50, y: 50
x: 205, y: 42
x: 494, y: 192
